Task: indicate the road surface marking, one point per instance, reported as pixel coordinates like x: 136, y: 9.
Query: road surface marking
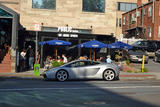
x: 78, y: 88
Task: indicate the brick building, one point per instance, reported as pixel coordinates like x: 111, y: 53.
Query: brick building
x: 142, y: 22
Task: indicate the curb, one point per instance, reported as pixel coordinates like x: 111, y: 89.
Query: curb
x: 137, y: 76
x: 122, y: 76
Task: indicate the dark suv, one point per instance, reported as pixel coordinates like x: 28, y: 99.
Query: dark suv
x: 157, y: 56
x: 150, y: 46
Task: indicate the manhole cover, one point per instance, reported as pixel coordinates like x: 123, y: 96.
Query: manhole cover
x: 95, y: 102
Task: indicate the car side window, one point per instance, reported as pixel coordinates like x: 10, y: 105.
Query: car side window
x: 144, y: 43
x: 94, y: 63
x: 77, y: 64
x: 82, y: 63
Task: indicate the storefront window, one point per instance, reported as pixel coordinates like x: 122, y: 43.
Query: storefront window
x: 3, y: 13
x: 44, y: 4
x: 93, y: 6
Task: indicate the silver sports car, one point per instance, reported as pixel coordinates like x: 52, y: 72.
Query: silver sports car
x: 83, y: 69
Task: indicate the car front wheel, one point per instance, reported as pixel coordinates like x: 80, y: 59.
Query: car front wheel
x: 62, y: 75
x: 109, y: 75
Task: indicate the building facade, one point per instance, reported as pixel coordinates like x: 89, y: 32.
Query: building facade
x: 76, y: 21
x: 122, y: 7
x: 143, y: 22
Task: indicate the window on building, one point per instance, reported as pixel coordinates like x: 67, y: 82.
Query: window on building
x: 120, y: 22
x: 130, y: 18
x: 124, y: 20
x: 134, y: 5
x: 122, y: 6
x: 44, y: 4
x: 128, y: 6
x: 134, y: 17
x: 144, y: 31
x: 117, y: 22
x: 144, y: 11
x: 93, y: 6
x: 159, y: 31
x: 4, y: 13
x: 150, y: 11
x: 159, y: 10
x: 149, y: 32
x: 138, y: 13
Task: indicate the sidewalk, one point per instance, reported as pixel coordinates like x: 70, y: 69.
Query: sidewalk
x: 123, y: 75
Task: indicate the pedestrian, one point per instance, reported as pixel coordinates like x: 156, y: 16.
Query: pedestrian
x: 108, y: 60
x: 64, y: 58
x: 59, y: 59
x: 31, y: 57
x: 70, y: 59
x: 38, y: 58
x: 23, y: 59
x: 102, y: 59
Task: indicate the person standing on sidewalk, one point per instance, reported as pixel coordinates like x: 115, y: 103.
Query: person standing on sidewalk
x: 38, y: 58
x: 23, y: 59
x: 31, y: 58
x: 65, y: 60
x: 108, y: 60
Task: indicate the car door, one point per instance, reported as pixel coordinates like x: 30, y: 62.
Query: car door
x: 87, y: 69
x: 78, y: 69
x: 73, y: 69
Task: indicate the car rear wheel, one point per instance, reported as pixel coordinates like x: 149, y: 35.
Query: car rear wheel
x: 109, y: 75
x: 62, y: 75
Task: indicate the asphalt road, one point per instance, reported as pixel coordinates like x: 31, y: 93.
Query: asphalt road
x: 151, y: 66
x: 15, y: 92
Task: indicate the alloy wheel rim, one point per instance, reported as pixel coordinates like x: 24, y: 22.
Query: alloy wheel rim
x: 62, y: 75
x: 109, y: 75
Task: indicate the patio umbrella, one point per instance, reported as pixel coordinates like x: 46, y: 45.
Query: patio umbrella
x: 93, y: 44
x: 120, y: 45
x: 55, y: 42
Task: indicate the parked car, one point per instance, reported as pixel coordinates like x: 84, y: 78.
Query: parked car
x: 150, y: 46
x: 83, y: 69
x: 136, y: 55
x: 157, y: 56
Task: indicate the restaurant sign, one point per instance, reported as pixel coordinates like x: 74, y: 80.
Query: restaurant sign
x: 67, y: 32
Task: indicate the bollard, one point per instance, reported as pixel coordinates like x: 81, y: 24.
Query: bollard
x: 143, y: 60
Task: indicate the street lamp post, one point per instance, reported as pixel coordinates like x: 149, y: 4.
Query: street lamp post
x: 36, y: 28
x: 36, y: 46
